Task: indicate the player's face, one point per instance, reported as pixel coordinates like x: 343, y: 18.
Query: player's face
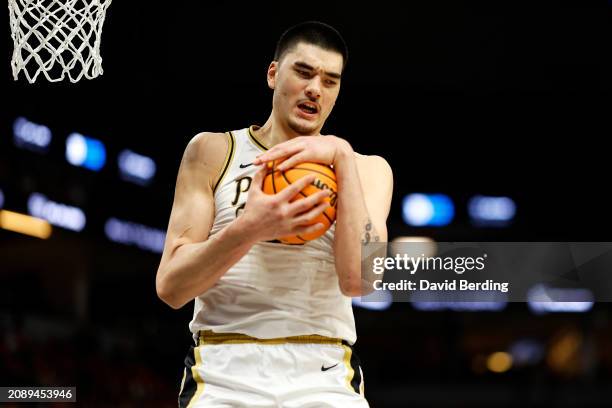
x: 306, y: 84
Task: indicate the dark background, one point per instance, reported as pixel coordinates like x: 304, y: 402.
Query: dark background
x: 462, y: 98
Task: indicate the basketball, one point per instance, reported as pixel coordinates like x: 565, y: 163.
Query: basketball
x: 277, y: 180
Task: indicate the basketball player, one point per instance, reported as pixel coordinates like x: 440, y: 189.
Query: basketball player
x: 273, y: 323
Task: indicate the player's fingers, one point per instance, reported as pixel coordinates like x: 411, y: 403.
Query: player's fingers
x: 307, y: 217
x: 291, y: 191
x: 308, y: 229
x: 299, y: 206
x: 292, y: 161
x: 277, y: 152
x: 257, y: 182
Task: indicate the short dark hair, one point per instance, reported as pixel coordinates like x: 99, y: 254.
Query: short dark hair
x: 315, y: 33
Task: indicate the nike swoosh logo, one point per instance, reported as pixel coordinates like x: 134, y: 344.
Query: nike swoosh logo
x: 244, y: 166
x: 323, y: 368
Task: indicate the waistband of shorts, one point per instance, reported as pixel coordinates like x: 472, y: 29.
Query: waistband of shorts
x: 208, y: 337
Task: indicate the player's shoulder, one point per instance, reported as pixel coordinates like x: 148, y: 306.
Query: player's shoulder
x: 205, y: 154
x: 207, y: 144
x: 373, y: 164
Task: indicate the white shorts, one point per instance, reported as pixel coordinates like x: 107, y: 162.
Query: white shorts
x: 235, y: 370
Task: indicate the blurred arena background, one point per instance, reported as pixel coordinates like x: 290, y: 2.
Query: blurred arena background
x: 493, y: 117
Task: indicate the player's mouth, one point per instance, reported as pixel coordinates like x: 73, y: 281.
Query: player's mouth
x: 308, y: 110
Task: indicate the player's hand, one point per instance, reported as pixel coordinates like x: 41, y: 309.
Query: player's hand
x: 318, y: 149
x: 272, y: 216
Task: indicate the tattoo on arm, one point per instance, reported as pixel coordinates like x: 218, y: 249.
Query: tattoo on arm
x: 369, y: 233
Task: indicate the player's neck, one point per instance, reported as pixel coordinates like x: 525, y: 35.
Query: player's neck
x: 273, y: 133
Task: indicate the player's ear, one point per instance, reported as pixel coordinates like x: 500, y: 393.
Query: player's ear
x: 272, y: 70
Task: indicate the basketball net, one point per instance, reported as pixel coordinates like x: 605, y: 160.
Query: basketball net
x: 57, y: 38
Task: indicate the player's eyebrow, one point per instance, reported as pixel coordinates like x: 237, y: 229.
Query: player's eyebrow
x: 311, y: 68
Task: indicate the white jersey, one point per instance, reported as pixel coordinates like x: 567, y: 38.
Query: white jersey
x: 275, y: 290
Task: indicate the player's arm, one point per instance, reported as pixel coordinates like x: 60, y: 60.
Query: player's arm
x: 193, y: 261
x: 365, y: 188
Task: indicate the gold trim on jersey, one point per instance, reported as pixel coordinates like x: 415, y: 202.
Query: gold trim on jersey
x: 254, y: 139
x: 182, y: 385
x: 208, y: 337
x: 348, y: 352
x: 196, y: 377
x: 228, y: 160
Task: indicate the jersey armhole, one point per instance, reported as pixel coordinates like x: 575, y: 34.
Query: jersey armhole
x: 229, y: 155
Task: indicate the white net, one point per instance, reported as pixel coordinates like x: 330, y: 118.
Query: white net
x: 58, y: 38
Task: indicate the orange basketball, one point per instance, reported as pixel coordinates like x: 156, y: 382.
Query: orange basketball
x: 277, y: 180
